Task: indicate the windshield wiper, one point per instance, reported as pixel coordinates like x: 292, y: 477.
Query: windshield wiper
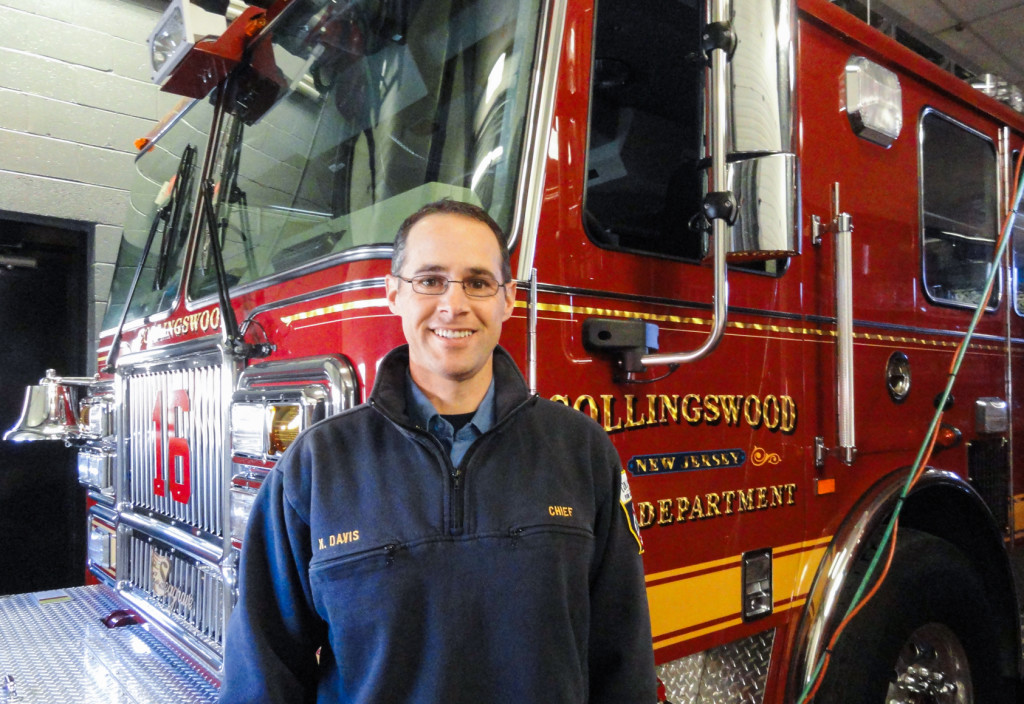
x: 163, y: 215
x: 169, y: 243
x: 235, y: 344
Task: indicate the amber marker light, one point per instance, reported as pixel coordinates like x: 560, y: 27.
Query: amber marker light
x: 285, y: 424
x: 948, y: 437
x: 824, y: 486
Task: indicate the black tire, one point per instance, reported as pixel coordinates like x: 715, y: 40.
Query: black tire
x: 929, y: 635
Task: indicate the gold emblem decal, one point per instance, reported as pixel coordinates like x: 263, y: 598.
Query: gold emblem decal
x: 760, y: 457
x: 160, y: 573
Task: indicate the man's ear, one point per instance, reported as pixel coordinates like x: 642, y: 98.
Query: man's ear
x: 391, y: 287
x: 510, y: 300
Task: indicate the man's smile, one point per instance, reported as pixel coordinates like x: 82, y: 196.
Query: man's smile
x: 452, y: 334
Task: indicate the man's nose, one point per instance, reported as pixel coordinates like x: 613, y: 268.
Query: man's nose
x: 455, y: 297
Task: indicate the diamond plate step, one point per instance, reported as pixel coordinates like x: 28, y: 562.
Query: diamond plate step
x: 53, y: 652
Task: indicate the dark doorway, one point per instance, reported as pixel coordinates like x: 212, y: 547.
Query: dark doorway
x: 43, y: 316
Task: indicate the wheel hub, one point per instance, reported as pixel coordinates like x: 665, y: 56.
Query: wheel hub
x: 931, y: 668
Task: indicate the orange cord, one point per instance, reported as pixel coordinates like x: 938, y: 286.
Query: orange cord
x: 1004, y: 233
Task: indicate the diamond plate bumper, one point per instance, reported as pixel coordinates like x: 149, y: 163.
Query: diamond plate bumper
x: 734, y: 673
x: 55, y: 652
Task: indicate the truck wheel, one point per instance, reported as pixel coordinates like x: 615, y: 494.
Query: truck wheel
x: 929, y: 635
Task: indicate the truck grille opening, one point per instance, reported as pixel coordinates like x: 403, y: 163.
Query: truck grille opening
x: 176, y: 444
x: 192, y: 592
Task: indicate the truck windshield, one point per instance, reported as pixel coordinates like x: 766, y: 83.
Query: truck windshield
x: 387, y: 105
x: 162, y: 201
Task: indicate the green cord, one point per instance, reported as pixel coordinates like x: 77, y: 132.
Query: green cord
x: 936, y: 419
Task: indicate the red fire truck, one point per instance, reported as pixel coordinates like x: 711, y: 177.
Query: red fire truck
x: 763, y: 243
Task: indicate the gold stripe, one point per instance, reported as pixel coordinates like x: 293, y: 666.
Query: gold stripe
x: 657, y: 576
x: 336, y: 308
x: 761, y: 327
x: 677, y: 319
x: 665, y: 642
x: 715, y: 597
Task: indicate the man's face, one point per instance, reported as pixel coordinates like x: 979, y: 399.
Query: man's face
x: 451, y: 336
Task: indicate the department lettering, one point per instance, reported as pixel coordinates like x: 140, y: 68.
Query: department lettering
x: 698, y: 507
x: 631, y: 412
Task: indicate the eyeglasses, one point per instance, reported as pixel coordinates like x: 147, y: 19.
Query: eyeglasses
x: 474, y: 286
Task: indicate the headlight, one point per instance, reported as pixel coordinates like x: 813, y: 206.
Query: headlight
x: 248, y: 428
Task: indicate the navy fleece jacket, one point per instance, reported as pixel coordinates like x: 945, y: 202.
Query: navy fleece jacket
x: 512, y: 578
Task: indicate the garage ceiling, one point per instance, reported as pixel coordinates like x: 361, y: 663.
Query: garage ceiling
x: 985, y: 36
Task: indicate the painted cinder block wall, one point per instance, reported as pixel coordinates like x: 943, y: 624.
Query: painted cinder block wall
x: 75, y: 93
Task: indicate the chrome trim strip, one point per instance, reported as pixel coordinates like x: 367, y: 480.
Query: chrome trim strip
x: 175, y: 537
x: 173, y: 353
x: 103, y: 512
x: 357, y: 254
x: 531, y: 334
x: 530, y: 193
x: 102, y: 577
x: 335, y: 370
x: 356, y: 285
x: 1006, y: 200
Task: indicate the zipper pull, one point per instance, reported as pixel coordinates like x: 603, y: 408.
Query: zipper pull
x: 514, y: 534
x: 389, y: 552
x: 456, y: 476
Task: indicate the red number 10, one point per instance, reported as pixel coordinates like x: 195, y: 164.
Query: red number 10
x: 177, y: 449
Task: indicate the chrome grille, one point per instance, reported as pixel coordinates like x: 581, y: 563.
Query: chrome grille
x: 190, y: 590
x: 155, y: 401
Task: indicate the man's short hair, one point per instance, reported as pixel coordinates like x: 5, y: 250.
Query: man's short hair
x: 450, y: 207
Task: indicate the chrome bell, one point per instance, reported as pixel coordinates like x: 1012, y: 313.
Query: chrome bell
x: 49, y: 411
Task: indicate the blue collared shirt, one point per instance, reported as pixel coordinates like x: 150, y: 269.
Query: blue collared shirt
x: 424, y: 415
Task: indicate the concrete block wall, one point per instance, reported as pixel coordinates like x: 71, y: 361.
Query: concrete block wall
x: 75, y: 93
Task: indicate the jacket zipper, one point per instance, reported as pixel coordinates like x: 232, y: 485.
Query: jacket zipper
x: 456, y: 513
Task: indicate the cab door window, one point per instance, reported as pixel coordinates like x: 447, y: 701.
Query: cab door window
x: 644, y: 169
x: 958, y: 212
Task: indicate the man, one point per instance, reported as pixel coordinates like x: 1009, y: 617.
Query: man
x: 455, y: 540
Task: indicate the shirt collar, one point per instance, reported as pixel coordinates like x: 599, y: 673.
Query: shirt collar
x: 421, y: 411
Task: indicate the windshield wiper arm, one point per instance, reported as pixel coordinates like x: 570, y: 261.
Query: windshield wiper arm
x: 162, y: 215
